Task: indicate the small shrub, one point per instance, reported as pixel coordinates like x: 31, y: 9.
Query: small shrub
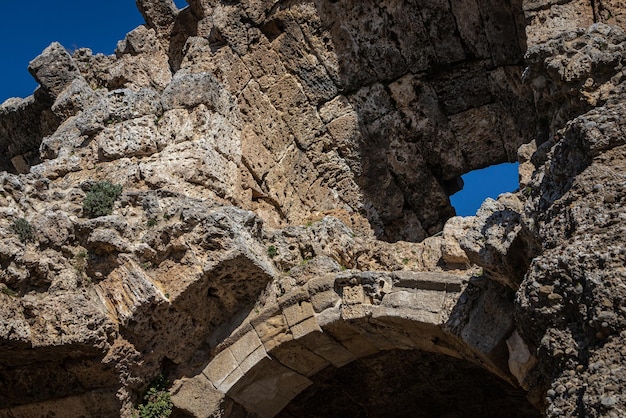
x: 24, y: 230
x: 100, y: 199
x: 8, y: 291
x: 157, y: 402
x: 272, y: 251
x: 152, y: 222
x: 80, y: 263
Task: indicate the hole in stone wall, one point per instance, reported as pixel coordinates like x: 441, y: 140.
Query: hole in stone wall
x: 484, y: 183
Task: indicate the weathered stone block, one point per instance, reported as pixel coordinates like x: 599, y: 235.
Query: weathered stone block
x: 54, y: 69
x: 220, y: 367
x: 268, y: 388
x: 298, y: 358
x: 197, y: 396
x: 305, y: 327
x: 327, y: 348
x: 245, y: 346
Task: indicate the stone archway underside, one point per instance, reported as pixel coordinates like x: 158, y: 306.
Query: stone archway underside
x: 411, y: 384
x: 336, y: 319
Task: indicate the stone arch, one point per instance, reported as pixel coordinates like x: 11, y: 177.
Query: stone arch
x: 338, y: 318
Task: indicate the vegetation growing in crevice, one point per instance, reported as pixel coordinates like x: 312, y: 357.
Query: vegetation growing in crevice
x: 24, y: 230
x: 157, y: 402
x: 100, y: 198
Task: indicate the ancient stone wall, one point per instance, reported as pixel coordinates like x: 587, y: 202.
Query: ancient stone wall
x: 286, y: 167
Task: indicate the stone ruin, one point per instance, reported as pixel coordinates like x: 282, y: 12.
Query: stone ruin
x: 284, y: 244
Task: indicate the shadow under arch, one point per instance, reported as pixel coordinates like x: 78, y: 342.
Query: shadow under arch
x: 351, y: 317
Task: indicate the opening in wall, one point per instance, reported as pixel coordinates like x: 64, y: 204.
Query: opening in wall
x: 484, y: 183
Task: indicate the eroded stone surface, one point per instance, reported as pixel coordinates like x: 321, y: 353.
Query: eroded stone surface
x: 285, y: 166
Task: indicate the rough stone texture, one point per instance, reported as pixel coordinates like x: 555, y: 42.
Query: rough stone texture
x: 286, y: 169
x: 330, y: 105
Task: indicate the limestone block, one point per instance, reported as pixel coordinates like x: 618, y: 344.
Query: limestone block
x: 428, y: 300
x: 201, y: 8
x: 490, y: 323
x: 106, y: 241
x: 298, y: 58
x: 526, y: 166
x: 200, y: 165
x: 140, y: 71
x: 453, y: 230
x: 378, y: 336
x: 471, y: 28
x: 329, y: 316
x: 351, y: 339
x: 131, y: 138
x: 302, y: 118
x: 326, y: 347
x: 305, y: 327
x: 258, y: 113
x: 54, y: 69
x: 547, y: 22
x: 245, y: 346
x: 258, y: 9
x: 324, y: 300
x: 297, y: 357
x: 352, y: 295
x: 220, y: 367
x: 482, y: 132
x: 349, y: 312
x: 296, y: 307
x: 272, y: 331
x: 20, y: 164
x: 400, y: 299
x: 224, y: 64
x: 505, y: 37
x: 499, y: 242
x: 336, y: 108
x: 197, y: 396
x: 346, y: 132
x: 268, y: 388
x: 139, y: 41
x: 416, y: 315
x: 78, y: 95
x: 229, y: 22
x: 158, y: 14
x: 425, y: 280
x: 265, y: 65
x: 257, y: 159
x: 253, y: 358
x: 521, y: 361
x: 323, y: 294
x: 188, y: 90
x: 231, y: 380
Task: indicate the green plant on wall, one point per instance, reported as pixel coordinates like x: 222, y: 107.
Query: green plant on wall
x: 157, y: 402
x: 24, y: 230
x: 100, y: 198
x: 272, y: 251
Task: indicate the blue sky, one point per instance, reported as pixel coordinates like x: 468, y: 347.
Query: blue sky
x: 481, y: 184
x: 26, y: 28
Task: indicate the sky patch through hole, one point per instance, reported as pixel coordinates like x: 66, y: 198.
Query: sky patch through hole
x: 484, y: 183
